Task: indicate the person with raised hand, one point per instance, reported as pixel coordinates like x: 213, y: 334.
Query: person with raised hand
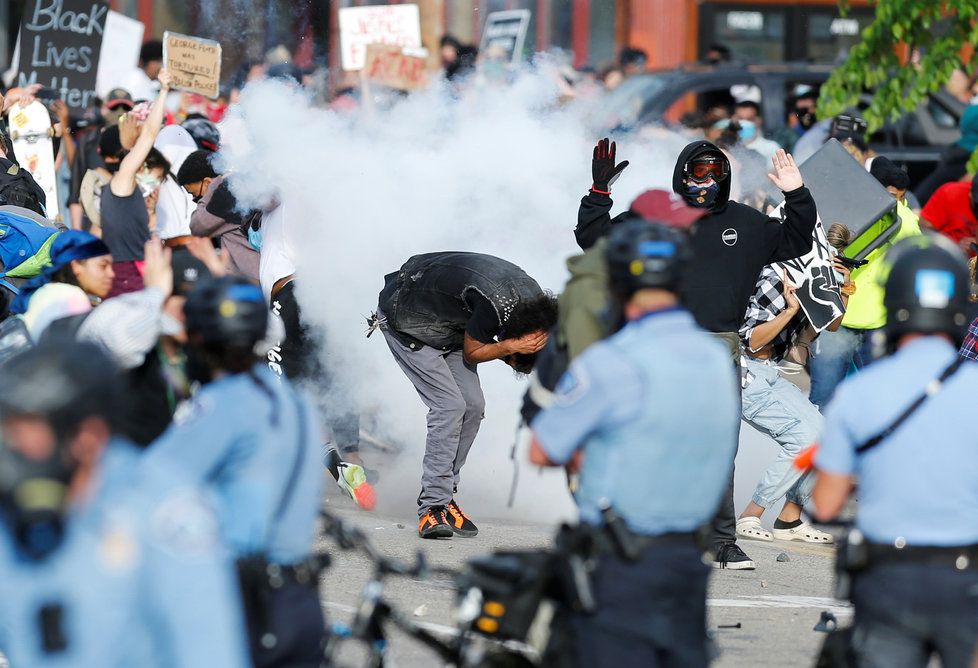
x: 128, y: 205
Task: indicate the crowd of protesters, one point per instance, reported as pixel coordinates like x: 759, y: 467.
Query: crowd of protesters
x: 163, y: 317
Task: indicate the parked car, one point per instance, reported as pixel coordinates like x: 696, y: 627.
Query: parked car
x: 915, y: 140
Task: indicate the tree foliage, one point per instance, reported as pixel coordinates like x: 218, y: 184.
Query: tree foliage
x: 934, y: 30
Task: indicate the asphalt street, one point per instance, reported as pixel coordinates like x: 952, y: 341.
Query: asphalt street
x: 776, y: 606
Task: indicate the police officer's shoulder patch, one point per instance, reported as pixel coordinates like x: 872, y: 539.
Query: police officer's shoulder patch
x: 184, y: 524
x: 573, y: 385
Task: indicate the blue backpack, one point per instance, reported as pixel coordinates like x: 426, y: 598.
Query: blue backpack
x: 25, y: 245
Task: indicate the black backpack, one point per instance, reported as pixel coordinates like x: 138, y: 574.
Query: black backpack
x: 18, y: 188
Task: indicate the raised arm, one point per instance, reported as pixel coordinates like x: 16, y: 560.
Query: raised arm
x: 795, y: 236
x: 123, y: 181
x: 594, y: 215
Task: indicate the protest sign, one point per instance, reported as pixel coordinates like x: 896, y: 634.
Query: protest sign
x: 392, y: 66
x: 194, y: 63
x: 813, y: 276
x: 120, y: 51
x: 505, y: 33
x: 60, y: 46
x: 398, y: 25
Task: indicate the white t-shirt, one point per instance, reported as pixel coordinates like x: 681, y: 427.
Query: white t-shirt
x: 276, y: 257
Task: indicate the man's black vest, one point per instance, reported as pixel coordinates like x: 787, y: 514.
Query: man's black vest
x: 425, y: 300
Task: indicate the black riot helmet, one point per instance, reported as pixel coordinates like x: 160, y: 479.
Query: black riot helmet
x: 927, y: 289
x: 62, y: 383
x: 227, y: 311
x: 645, y: 254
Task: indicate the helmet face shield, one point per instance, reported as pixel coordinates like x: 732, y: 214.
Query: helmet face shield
x: 707, y: 168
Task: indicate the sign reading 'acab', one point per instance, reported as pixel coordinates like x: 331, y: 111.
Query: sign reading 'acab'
x: 60, y: 42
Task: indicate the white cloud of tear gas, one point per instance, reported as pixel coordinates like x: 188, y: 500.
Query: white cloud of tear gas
x: 498, y: 171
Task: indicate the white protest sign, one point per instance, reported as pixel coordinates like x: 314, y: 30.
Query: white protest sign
x: 813, y: 276
x: 120, y: 51
x: 506, y: 33
x: 399, y: 25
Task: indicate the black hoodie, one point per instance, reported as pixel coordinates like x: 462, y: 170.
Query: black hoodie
x: 730, y: 245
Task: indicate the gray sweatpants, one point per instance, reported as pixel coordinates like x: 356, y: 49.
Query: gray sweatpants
x: 450, y: 389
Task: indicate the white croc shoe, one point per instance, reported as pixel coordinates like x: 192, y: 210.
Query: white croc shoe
x: 804, y: 532
x: 750, y: 527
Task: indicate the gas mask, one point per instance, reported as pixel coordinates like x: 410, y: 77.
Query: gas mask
x: 33, y: 495
x: 147, y: 182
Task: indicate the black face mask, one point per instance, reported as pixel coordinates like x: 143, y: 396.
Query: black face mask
x: 806, y: 118
x: 33, y: 496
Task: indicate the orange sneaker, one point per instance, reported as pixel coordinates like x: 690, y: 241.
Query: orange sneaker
x: 434, y: 524
x: 460, y: 522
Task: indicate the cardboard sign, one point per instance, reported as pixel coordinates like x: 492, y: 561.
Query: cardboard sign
x: 195, y: 63
x: 814, y: 277
x: 391, y: 66
x: 120, y: 51
x: 398, y: 25
x: 60, y: 44
x: 505, y: 34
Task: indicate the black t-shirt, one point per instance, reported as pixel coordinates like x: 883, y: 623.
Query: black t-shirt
x: 483, y: 326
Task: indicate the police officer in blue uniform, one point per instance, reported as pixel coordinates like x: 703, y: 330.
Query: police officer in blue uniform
x: 255, y: 441
x: 649, y: 417
x: 105, y: 561
x: 904, y: 429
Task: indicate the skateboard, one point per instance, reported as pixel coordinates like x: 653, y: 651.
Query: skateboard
x: 31, y: 133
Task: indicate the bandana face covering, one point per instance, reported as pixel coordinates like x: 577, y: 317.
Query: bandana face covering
x: 702, y: 195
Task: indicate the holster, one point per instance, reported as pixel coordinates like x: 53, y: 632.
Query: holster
x: 851, y: 557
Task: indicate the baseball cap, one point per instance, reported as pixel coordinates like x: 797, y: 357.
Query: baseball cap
x: 187, y: 271
x: 118, y: 97
x: 666, y: 207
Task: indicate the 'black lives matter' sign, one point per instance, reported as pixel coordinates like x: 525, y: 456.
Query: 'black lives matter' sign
x: 60, y: 41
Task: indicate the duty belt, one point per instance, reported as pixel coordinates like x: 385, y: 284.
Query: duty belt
x: 963, y: 557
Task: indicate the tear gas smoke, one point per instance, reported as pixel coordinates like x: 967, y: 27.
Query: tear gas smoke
x: 497, y: 170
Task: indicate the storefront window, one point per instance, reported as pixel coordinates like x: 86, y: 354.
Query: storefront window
x: 830, y: 36
x: 752, y: 34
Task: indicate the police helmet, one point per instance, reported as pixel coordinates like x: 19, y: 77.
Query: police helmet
x: 927, y: 289
x: 63, y: 382
x: 645, y: 254
x: 227, y: 311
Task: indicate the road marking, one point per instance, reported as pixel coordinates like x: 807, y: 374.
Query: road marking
x: 833, y: 605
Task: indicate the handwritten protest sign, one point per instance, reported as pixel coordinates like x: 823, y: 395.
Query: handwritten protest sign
x: 505, y: 32
x: 195, y: 63
x: 392, y: 66
x: 398, y: 25
x: 60, y: 44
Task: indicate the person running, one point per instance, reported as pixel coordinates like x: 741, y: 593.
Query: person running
x: 775, y: 406
x: 442, y: 314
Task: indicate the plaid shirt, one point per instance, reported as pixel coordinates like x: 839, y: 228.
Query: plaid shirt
x: 969, y: 349
x: 765, y: 305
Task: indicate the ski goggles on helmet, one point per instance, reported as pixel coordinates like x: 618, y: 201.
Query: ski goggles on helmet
x: 704, y: 169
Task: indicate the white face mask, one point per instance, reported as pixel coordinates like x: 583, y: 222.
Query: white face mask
x: 147, y: 182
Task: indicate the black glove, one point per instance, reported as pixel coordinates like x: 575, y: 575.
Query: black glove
x: 604, y: 171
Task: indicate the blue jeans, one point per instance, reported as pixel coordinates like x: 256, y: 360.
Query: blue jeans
x: 833, y: 354
x: 778, y: 408
x: 906, y: 612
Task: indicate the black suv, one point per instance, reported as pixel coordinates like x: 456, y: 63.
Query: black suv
x: 915, y: 139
